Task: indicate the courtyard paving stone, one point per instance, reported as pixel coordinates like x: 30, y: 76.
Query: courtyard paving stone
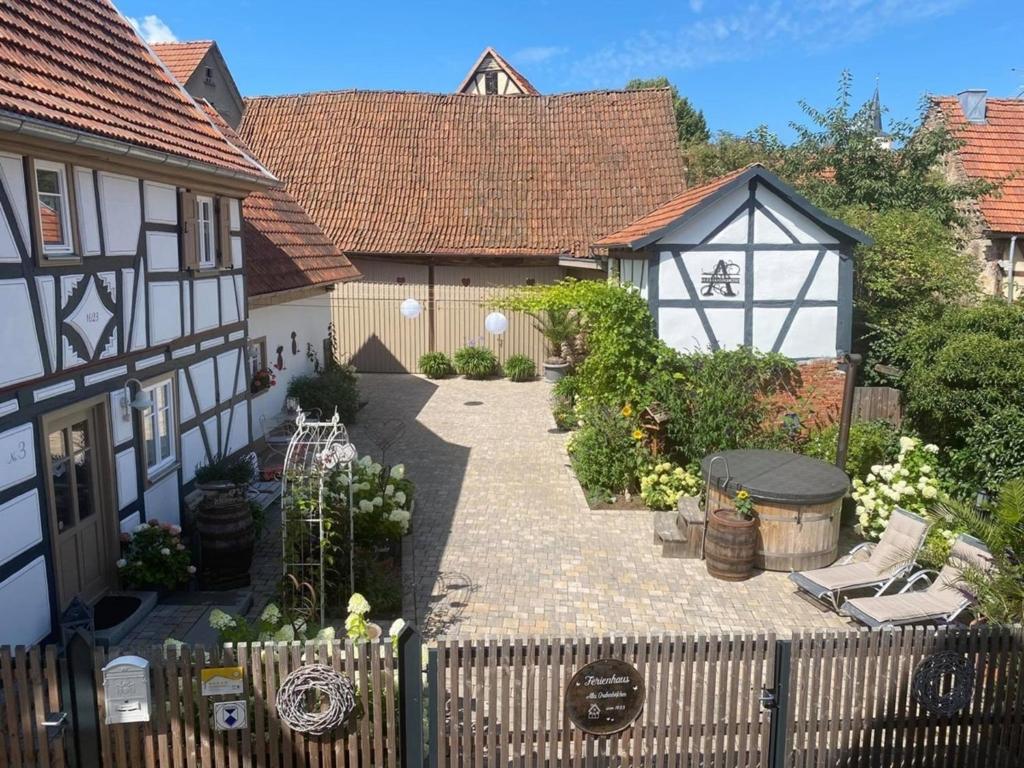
x: 505, y: 543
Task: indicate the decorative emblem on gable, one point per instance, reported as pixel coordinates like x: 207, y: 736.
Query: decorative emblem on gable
x: 721, y: 279
x: 90, y: 318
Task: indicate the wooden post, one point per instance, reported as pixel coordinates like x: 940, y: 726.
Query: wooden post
x: 410, y: 696
x: 852, y: 363
x: 80, y: 695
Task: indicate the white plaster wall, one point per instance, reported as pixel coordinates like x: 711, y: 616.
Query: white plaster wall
x: 20, y: 522
x: 18, y: 449
x: 704, y: 222
x: 805, y: 230
x: 206, y: 300
x: 25, y: 594
x: 634, y: 272
x: 120, y: 427
x: 165, y: 318
x: 309, y: 319
x: 121, y: 206
x: 161, y: 202
x: 20, y: 355
x: 162, y: 251
x: 127, y: 477
x: 12, y: 171
x: 88, y: 218
x: 161, y: 500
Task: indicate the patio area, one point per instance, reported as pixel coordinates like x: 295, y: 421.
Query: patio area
x: 504, y: 542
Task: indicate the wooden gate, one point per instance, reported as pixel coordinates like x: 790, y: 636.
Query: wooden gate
x: 501, y: 703
x: 30, y: 696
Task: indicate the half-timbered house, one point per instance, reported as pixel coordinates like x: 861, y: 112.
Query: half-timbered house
x: 123, y: 333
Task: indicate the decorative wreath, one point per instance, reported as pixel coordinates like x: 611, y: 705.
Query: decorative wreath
x: 335, y: 692
x: 944, y: 683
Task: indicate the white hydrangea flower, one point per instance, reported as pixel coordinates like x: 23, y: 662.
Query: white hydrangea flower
x: 929, y: 492
x: 122, y: 563
x: 271, y: 614
x: 375, y: 468
x: 390, y: 490
x: 932, y: 448
x: 165, y: 551
x: 365, y: 506
x: 398, y: 471
x: 140, y: 528
x: 396, y: 627
x: 357, y: 604
x: 400, y: 498
x: 220, y: 620
x: 907, y: 443
x: 378, y: 501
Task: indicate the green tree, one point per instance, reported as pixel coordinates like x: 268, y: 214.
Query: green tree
x: 728, y: 152
x: 689, y: 121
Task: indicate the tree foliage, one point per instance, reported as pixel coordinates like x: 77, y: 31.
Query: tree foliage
x: 690, y: 122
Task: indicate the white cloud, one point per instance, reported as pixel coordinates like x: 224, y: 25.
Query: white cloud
x: 153, y: 29
x: 696, y: 5
x: 750, y: 31
x: 536, y: 54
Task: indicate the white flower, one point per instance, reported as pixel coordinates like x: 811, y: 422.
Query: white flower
x: 122, y: 563
x: 175, y: 530
x: 357, y: 604
x: 876, y: 469
x: 191, y: 569
x: 140, y: 528
x: 398, y: 471
x: 378, y: 501
x: 165, y: 551
x: 375, y: 468
x: 343, y: 478
x: 926, y: 469
x: 389, y: 491
x: 271, y: 614
x: 883, y: 513
x: 870, y: 478
x: 399, y: 516
x: 932, y: 448
x: 396, y: 627
x: 863, y: 518
x: 285, y: 633
x: 220, y: 620
x: 327, y: 633
x: 365, y: 461
x: 907, y: 443
x: 400, y: 498
x: 929, y: 492
x: 365, y: 506
x: 180, y: 547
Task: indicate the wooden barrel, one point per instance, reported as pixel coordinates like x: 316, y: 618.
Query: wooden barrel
x: 729, y: 545
x: 227, y: 537
x: 791, y: 537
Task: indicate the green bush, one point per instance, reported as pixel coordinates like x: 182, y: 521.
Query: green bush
x: 563, y: 402
x: 520, y: 368
x: 871, y: 443
x: 436, y: 365
x: 963, y: 368
x: 717, y: 400
x: 334, y: 387
x: 662, y: 485
x: 991, y: 454
x: 475, y: 362
x: 607, y: 451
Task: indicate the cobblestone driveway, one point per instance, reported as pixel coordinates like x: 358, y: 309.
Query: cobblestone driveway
x: 504, y: 542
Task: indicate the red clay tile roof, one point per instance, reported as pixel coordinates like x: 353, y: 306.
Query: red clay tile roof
x: 284, y: 249
x: 450, y: 174
x: 513, y: 74
x: 183, y: 58
x: 79, y: 64
x: 993, y: 151
x: 669, y: 212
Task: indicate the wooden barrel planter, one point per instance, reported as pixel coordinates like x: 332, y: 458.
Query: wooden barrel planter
x: 798, y: 502
x: 227, y: 538
x: 729, y: 545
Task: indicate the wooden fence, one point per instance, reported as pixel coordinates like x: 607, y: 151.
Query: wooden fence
x: 877, y: 404
x: 180, y: 733
x: 501, y: 703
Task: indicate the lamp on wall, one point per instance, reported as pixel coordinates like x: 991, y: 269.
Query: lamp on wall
x: 496, y: 323
x: 410, y: 309
x: 140, y: 402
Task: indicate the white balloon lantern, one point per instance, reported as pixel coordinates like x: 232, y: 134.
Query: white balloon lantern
x: 411, y: 309
x: 496, y: 323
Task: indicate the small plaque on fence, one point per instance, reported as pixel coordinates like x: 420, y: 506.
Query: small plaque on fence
x: 605, y: 696
x: 217, y: 681
x: 230, y: 715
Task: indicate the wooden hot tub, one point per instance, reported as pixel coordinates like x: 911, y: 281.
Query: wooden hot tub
x: 798, y: 502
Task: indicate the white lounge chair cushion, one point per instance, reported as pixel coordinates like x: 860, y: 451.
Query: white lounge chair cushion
x: 899, y: 544
x: 908, y: 607
x: 838, y: 577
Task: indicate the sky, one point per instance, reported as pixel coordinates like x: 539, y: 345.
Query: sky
x: 743, y: 63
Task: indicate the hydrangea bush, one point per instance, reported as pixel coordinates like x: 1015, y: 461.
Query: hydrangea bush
x: 382, y: 500
x: 910, y: 482
x: 153, y: 555
x: 272, y: 625
x: 665, y: 483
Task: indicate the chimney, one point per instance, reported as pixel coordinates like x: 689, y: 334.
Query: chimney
x: 973, y: 103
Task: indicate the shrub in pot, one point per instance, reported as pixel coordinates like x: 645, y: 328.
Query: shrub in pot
x: 475, y: 362
x: 731, y: 540
x: 335, y: 387
x: 436, y: 365
x: 520, y: 368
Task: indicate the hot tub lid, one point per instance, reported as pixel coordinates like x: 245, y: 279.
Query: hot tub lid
x: 778, y: 476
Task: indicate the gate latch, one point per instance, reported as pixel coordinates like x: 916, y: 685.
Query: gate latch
x: 768, y: 699
x: 55, y: 723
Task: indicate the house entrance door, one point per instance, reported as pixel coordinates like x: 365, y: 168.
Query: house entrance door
x: 81, y: 513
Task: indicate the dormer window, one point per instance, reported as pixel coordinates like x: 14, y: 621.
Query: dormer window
x: 491, y: 83
x: 54, y: 209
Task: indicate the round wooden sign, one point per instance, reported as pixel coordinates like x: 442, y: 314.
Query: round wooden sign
x: 605, y: 696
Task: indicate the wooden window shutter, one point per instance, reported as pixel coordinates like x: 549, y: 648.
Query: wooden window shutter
x: 224, y: 232
x: 187, y: 229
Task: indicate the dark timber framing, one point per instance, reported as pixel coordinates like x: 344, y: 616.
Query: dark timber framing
x: 659, y: 254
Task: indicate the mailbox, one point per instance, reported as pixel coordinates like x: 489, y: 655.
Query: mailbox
x: 126, y: 690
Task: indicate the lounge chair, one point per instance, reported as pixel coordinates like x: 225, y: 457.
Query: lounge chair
x: 945, y: 598
x: 869, y: 565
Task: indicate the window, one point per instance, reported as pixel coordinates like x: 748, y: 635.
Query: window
x: 260, y: 376
x: 54, y: 208
x: 206, y: 233
x: 158, y: 428
x: 491, y: 83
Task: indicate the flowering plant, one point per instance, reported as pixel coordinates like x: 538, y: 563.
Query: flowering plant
x: 152, y: 555
x: 262, y: 379
x: 381, y: 497
x: 664, y: 484
x: 910, y: 483
x: 743, y: 504
x: 272, y: 625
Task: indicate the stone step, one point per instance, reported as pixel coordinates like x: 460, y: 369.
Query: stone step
x: 680, y: 550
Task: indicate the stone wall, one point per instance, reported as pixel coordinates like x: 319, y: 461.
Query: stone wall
x: 814, y: 393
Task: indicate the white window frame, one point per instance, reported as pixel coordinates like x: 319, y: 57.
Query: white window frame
x: 68, y: 248
x: 206, y: 247
x: 151, y: 420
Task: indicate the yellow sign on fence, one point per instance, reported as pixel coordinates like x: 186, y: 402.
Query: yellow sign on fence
x: 221, y: 680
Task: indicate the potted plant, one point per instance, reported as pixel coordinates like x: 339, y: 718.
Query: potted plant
x: 227, y: 530
x: 262, y: 380
x: 153, y: 557
x: 559, y: 327
x: 732, y: 539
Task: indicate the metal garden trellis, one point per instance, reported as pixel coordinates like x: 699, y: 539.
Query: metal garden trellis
x: 314, y: 450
